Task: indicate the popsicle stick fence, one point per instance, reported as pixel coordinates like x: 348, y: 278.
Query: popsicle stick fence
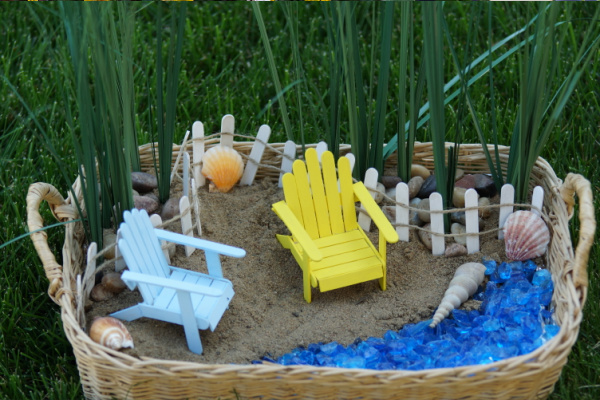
x: 192, y: 179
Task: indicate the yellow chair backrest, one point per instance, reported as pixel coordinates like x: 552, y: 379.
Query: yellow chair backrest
x: 312, y: 194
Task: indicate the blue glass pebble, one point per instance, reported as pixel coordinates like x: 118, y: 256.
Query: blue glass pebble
x: 514, y: 318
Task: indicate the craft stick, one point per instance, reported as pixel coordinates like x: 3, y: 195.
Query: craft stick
x: 186, y: 222
x: 196, y: 204
x: 472, y: 220
x: 181, y: 150
x: 321, y: 148
x: 227, y: 130
x: 402, y: 213
x: 186, y: 173
x: 198, y: 151
x: 262, y: 138
x: 537, y: 200
x: 364, y: 220
x: 437, y: 224
x: 156, y: 221
x: 119, y: 260
x: 289, y: 155
x: 507, y: 199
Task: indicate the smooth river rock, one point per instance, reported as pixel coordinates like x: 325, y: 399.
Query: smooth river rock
x: 143, y: 182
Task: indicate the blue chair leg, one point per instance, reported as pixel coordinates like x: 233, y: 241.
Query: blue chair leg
x: 190, y: 325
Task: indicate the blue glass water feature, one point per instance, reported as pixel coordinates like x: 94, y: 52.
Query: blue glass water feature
x: 514, y: 318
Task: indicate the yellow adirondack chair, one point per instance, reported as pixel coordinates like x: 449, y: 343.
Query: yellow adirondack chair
x: 326, y: 240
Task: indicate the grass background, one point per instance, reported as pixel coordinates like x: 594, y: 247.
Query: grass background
x: 224, y: 71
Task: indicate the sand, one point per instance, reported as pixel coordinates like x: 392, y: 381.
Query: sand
x: 268, y: 315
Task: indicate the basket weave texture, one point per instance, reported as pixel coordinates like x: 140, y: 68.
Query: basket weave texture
x: 108, y: 374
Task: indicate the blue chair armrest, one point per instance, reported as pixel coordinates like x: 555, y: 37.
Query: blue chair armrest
x: 201, y: 244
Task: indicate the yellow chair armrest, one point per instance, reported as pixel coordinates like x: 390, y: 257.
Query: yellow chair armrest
x: 289, y: 219
x: 383, y: 224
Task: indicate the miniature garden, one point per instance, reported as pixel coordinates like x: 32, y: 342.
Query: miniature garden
x: 310, y: 226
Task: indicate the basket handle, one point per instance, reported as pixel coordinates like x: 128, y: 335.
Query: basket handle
x: 577, y: 184
x: 62, y: 211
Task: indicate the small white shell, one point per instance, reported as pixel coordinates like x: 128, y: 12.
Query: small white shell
x: 467, y: 279
x: 110, y: 332
x: 223, y: 166
x: 526, y: 236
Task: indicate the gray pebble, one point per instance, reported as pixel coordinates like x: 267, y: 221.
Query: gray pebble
x: 143, y: 182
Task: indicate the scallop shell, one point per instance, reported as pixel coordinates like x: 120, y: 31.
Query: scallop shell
x: 223, y: 166
x: 526, y: 236
x: 463, y: 285
x: 110, y: 332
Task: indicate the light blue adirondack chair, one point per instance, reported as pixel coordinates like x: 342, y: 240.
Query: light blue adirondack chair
x: 179, y: 296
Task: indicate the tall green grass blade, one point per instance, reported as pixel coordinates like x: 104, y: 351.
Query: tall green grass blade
x: 272, y: 67
x: 167, y: 102
x: 376, y: 141
x: 405, y: 53
x: 423, y: 111
x: 336, y: 72
x: 538, y: 115
x: 434, y: 54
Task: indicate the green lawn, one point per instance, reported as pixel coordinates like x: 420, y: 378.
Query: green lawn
x: 225, y: 71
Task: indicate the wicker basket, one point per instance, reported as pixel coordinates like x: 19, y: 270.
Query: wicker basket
x: 107, y: 374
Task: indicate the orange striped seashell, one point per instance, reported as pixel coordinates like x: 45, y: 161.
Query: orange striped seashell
x: 110, y: 332
x: 223, y: 166
x: 526, y: 236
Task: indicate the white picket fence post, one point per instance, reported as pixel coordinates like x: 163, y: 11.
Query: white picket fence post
x: 186, y: 174
x: 321, y: 148
x: 262, y: 138
x: 472, y: 221
x: 196, y: 205
x: 89, y: 275
x: 507, y: 199
x: 287, y: 160
x: 370, y: 182
x: 227, y: 130
x: 119, y: 260
x: 198, y: 151
x: 186, y: 222
x: 437, y: 224
x: 352, y: 160
x: 156, y: 221
x: 402, y: 212
x: 179, y: 153
x: 537, y: 200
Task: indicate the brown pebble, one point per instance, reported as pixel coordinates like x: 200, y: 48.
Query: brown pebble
x: 455, y: 250
x: 484, y: 212
x: 143, y: 182
x: 145, y: 203
x: 419, y: 170
x: 424, y: 210
x: 458, y: 229
x: 113, y: 282
x: 100, y: 293
x: 170, y: 208
x: 390, y: 181
x: 414, y: 185
x: 109, y: 239
x: 425, y: 236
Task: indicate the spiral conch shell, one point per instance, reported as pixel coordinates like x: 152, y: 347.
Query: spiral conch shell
x: 467, y: 279
x: 223, y: 166
x: 526, y: 236
x: 110, y: 332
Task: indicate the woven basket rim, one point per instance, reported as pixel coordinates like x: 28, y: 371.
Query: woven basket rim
x: 471, y: 157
